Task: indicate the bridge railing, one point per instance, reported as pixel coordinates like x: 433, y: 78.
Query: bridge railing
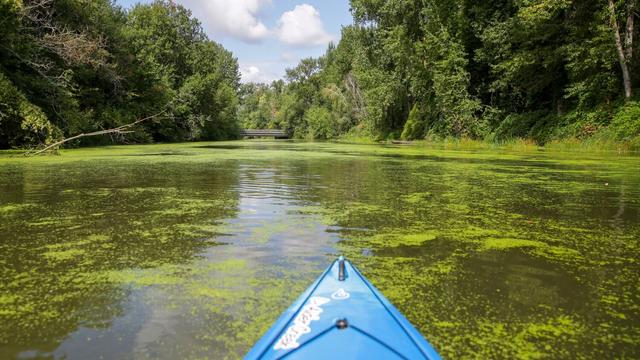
x: 264, y: 132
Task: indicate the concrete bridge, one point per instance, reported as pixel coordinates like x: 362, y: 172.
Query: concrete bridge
x: 274, y: 133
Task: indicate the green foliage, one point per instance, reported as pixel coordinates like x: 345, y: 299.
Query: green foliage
x: 414, y: 127
x: 258, y: 104
x: 533, y: 125
x: 21, y: 122
x: 455, y: 109
x: 593, y: 77
x: 199, y: 78
x: 626, y: 121
x: 536, y: 69
x: 81, y: 66
x: 319, y: 123
x: 9, y: 20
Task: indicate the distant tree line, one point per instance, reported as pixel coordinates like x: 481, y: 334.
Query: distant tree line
x: 416, y: 69
x: 78, y: 66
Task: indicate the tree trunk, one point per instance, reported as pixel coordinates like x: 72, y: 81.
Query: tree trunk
x: 628, y: 36
x: 624, y: 50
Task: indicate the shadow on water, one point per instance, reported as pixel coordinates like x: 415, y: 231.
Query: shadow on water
x: 505, y: 284
x: 518, y: 284
x: 539, y: 159
x: 161, y: 154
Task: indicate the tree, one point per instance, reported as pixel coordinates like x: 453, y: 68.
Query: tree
x: 624, y: 46
x: 70, y: 67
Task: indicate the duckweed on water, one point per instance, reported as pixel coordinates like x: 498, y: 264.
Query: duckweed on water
x: 193, y: 250
x: 400, y: 239
x: 508, y: 243
x: 63, y: 255
x: 416, y: 198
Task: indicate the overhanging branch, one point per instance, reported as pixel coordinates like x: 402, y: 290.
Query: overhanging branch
x: 123, y: 129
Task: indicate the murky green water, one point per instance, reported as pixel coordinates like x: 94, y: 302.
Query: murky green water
x: 192, y: 250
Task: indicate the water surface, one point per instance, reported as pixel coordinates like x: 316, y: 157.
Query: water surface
x: 193, y: 250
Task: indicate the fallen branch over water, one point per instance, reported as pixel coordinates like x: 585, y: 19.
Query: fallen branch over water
x: 120, y: 130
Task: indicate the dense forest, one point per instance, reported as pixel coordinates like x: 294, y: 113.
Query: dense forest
x: 69, y: 67
x: 491, y: 70
x: 409, y: 69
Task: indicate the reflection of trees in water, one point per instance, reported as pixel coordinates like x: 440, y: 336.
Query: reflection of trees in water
x: 78, y: 224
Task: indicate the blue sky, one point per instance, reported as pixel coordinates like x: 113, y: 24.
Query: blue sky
x: 267, y: 36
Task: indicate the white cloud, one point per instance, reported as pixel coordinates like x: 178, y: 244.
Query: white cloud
x: 237, y: 18
x: 302, y: 26
x: 253, y: 73
x: 288, y: 57
x: 250, y: 74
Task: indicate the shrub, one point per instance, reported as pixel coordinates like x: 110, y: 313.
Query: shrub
x: 414, y: 127
x: 319, y: 123
x: 21, y: 122
x: 626, y: 121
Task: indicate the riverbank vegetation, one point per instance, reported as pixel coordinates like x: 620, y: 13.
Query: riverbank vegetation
x: 72, y: 66
x: 547, y: 72
x: 539, y: 70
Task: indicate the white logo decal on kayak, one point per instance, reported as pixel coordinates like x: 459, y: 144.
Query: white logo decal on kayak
x: 340, y: 294
x: 301, y: 324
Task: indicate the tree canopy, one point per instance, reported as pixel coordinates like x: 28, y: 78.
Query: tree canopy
x: 410, y: 69
x: 539, y: 69
x: 76, y: 66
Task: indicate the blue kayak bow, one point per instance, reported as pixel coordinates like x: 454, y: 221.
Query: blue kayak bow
x: 342, y: 315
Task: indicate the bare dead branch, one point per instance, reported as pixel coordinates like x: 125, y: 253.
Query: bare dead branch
x: 73, y: 46
x: 353, y: 88
x: 42, y: 67
x: 120, y: 130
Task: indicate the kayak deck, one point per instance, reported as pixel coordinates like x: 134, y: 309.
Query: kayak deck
x: 342, y: 315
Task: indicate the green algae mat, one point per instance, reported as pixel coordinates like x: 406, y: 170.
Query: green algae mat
x: 193, y: 250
